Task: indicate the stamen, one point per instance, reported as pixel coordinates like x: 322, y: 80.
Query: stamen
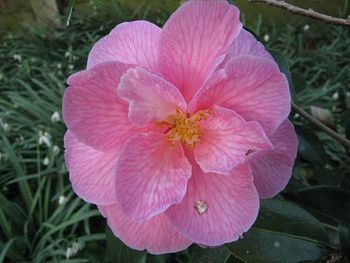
x: 185, y: 129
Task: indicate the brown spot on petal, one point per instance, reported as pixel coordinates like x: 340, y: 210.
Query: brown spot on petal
x: 201, y: 206
x: 250, y: 151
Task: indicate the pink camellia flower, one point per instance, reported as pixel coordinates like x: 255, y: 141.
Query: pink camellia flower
x: 177, y: 133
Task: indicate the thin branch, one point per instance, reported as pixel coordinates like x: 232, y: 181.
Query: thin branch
x: 320, y: 125
x: 330, y: 227
x: 305, y: 12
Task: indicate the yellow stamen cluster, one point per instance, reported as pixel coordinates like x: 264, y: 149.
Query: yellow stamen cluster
x: 185, y: 129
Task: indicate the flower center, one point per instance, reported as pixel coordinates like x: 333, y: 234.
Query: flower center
x: 185, y: 129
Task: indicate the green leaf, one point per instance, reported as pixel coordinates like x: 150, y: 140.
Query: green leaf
x: 5, y: 249
x: 330, y: 200
x: 283, y: 231
x: 71, y: 7
x: 284, y: 67
x: 299, y: 83
x: 117, y: 251
x: 347, y: 127
x: 209, y: 255
x: 310, y: 146
x: 286, y: 217
x: 158, y: 258
x: 344, y: 236
x: 261, y: 246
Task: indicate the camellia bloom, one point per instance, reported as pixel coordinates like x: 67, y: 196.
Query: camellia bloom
x: 177, y: 133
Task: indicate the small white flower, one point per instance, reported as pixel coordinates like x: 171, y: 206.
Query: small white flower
x: 266, y: 37
x: 62, y: 200
x: 75, y: 247
x: 71, y: 66
x: 55, y: 117
x: 46, y: 161
x: 45, y: 138
x: 306, y: 28
x: 335, y: 96
x: 59, y: 65
x: 5, y: 126
x: 56, y: 149
x: 70, y: 253
x: 67, y: 54
x: 17, y: 57
x: 296, y: 115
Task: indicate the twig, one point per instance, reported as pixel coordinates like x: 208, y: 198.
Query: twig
x: 330, y: 227
x: 320, y: 125
x: 305, y: 12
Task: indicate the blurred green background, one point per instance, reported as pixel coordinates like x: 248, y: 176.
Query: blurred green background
x: 42, y: 220
x: 14, y: 14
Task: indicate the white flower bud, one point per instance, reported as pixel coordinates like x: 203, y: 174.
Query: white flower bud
x: 55, y: 117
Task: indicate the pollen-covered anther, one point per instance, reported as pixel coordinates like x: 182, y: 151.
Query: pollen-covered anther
x: 185, y: 129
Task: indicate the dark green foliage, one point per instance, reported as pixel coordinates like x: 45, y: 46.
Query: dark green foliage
x: 308, y: 221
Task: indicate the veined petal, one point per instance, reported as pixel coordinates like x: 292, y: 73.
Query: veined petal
x: 226, y: 141
x: 231, y: 205
x: 251, y: 86
x: 150, y: 97
x: 272, y: 169
x: 246, y: 44
x: 130, y: 42
x: 151, y: 175
x: 91, y: 171
x: 194, y: 41
x: 156, y: 235
x: 92, y: 110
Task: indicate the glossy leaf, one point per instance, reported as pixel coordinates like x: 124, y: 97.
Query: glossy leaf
x: 310, y: 147
x: 261, y: 246
x: 210, y: 255
x: 282, y: 231
x: 329, y: 200
x: 347, y: 127
x: 286, y: 217
x: 344, y: 236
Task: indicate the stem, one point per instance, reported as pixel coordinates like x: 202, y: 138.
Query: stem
x: 320, y: 125
x: 330, y: 227
x: 305, y: 12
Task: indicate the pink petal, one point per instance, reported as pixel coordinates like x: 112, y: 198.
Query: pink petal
x: 156, y: 235
x: 226, y: 141
x: 195, y: 40
x: 151, y: 175
x: 232, y: 207
x: 91, y: 171
x: 272, y: 169
x: 103, y: 209
x: 150, y: 97
x: 246, y: 44
x: 92, y: 110
x: 130, y: 42
x: 251, y: 86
